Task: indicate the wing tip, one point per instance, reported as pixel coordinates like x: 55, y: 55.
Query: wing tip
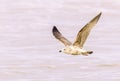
x: 54, y: 29
x: 99, y: 15
x: 96, y: 18
x: 54, y: 26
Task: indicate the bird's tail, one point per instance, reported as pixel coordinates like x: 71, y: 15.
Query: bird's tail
x: 89, y: 52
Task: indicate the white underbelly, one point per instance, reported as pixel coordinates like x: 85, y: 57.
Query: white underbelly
x: 74, y: 50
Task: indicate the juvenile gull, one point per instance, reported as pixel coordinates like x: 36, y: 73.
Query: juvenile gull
x: 76, y: 48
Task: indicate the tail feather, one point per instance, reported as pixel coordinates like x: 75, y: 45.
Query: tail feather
x: 89, y: 52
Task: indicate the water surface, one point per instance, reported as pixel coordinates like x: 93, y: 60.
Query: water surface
x: 29, y: 52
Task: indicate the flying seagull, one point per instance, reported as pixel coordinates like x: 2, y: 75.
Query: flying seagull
x: 76, y: 48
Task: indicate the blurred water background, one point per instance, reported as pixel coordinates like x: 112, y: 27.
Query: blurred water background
x: 29, y: 52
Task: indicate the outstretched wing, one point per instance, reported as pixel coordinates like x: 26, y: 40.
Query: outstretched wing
x: 84, y: 32
x: 59, y: 36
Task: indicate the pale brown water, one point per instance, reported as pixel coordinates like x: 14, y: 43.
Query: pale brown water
x: 29, y: 52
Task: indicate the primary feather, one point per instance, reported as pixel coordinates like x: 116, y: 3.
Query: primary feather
x: 84, y: 32
x: 59, y: 36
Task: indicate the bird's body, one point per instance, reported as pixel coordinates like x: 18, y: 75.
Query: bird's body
x: 76, y: 48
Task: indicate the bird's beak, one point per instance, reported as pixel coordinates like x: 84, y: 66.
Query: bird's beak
x: 60, y: 51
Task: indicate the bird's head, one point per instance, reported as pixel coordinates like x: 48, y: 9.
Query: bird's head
x: 62, y: 50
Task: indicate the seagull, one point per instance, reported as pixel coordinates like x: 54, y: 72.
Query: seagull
x: 76, y: 48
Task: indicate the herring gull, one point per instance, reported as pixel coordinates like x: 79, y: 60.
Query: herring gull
x: 76, y: 48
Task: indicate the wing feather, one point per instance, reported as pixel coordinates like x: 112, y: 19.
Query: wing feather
x: 59, y: 36
x: 84, y: 32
